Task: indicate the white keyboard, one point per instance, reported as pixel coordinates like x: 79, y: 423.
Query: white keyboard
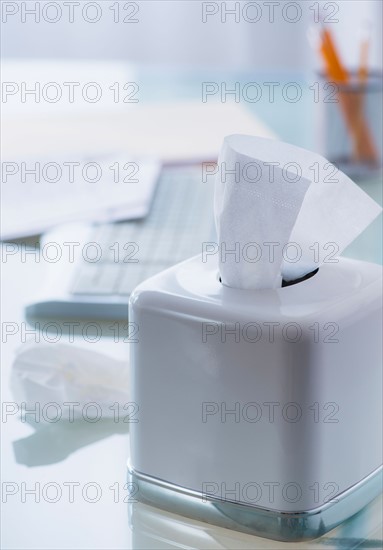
x: 125, y: 254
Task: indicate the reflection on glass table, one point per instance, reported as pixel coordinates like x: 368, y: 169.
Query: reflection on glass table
x: 153, y: 528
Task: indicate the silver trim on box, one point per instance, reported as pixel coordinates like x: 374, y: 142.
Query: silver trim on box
x: 271, y: 524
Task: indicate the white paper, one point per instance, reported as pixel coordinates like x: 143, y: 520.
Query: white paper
x: 174, y: 131
x: 122, y: 189
x: 63, y: 374
x: 283, y: 210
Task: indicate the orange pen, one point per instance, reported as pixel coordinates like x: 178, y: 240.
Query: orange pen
x: 350, y: 102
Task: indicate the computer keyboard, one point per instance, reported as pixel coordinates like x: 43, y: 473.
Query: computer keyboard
x: 126, y: 253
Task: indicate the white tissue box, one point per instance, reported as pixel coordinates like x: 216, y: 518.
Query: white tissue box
x: 259, y: 410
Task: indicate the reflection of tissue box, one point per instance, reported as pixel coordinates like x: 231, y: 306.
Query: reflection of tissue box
x: 259, y: 410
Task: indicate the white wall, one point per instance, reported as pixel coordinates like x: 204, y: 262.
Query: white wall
x: 172, y: 32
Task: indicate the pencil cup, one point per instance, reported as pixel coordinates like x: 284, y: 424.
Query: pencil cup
x: 259, y: 410
x: 351, y: 125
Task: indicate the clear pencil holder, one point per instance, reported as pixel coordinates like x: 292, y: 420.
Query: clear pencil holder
x: 351, y: 125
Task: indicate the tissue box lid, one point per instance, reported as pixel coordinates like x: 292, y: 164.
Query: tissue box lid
x: 193, y: 288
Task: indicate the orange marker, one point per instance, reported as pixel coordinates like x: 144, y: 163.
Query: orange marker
x: 351, y: 103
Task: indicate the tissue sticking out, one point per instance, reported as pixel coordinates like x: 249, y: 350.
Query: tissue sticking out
x: 281, y: 212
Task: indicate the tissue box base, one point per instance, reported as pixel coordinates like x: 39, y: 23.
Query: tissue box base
x: 287, y: 527
x: 272, y: 432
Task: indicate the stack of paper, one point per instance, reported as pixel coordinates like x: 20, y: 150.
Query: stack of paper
x: 107, y: 189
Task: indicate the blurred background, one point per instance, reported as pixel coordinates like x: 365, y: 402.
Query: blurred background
x: 169, y: 49
x: 172, y: 32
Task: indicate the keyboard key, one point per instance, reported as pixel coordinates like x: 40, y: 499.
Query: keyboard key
x: 180, y: 219
x: 97, y: 279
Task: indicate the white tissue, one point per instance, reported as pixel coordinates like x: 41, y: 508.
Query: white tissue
x: 281, y: 212
x: 63, y: 374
